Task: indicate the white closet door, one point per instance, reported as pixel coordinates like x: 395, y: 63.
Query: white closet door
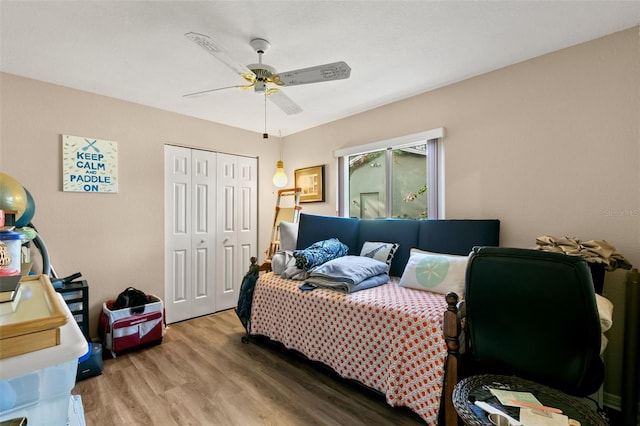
x: 190, y: 186
x: 236, y: 221
x: 247, y: 211
x: 203, y: 237
x: 177, y: 199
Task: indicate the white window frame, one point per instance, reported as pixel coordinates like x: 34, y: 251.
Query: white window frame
x: 435, y: 156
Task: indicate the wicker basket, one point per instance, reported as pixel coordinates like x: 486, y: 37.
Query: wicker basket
x: 475, y: 388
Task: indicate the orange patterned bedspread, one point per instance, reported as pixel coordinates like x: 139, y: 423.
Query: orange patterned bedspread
x: 389, y: 338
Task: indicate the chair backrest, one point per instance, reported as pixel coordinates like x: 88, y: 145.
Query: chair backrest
x: 533, y: 314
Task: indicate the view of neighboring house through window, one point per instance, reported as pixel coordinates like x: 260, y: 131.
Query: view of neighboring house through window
x: 398, y: 180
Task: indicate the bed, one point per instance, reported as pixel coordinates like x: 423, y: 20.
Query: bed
x: 391, y: 338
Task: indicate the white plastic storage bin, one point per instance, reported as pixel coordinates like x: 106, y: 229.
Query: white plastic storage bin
x: 37, y: 385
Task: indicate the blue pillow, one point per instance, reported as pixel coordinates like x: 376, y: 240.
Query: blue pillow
x: 320, y: 252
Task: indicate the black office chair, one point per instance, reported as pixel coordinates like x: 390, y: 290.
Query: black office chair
x: 532, y: 314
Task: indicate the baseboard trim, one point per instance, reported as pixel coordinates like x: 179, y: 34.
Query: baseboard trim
x: 615, y: 401
x: 612, y: 401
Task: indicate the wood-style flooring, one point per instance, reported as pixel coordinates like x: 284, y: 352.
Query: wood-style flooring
x: 202, y: 374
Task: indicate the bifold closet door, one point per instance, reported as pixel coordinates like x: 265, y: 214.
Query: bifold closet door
x: 236, y: 225
x: 190, y: 228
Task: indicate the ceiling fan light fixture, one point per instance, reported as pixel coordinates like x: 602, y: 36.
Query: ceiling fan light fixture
x: 260, y: 76
x: 262, y: 71
x: 260, y: 86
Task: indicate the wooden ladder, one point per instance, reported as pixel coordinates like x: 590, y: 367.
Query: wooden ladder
x: 283, y: 214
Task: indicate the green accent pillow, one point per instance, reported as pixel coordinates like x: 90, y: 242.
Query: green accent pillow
x: 436, y: 272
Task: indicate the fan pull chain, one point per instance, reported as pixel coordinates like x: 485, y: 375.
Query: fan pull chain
x: 265, y: 135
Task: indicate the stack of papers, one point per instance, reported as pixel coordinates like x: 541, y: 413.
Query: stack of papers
x: 532, y: 411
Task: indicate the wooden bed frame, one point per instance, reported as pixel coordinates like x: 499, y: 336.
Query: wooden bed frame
x: 451, y: 328
x: 429, y: 235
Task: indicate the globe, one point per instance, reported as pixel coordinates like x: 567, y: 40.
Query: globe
x: 27, y: 216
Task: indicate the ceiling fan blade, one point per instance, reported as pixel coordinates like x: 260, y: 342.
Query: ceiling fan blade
x: 203, y: 92
x: 282, y: 101
x: 326, y: 72
x: 219, y: 53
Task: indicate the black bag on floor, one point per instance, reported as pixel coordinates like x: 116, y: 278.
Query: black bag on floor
x: 131, y: 298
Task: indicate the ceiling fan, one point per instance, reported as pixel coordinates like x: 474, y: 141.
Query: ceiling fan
x: 264, y: 78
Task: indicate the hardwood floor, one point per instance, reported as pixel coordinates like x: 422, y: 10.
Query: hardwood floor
x: 202, y: 374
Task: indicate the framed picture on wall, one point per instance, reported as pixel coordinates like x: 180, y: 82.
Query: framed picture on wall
x: 311, y: 181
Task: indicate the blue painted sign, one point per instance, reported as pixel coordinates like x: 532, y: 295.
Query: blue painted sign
x: 89, y: 165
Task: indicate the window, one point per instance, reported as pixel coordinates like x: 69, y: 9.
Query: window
x: 394, y: 178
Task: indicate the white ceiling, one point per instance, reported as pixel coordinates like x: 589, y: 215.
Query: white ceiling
x: 137, y: 51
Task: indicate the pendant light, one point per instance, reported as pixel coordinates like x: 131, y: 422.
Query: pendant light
x: 280, y: 177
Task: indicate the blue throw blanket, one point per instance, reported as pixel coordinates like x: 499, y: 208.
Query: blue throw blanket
x: 319, y: 253
x: 349, y: 274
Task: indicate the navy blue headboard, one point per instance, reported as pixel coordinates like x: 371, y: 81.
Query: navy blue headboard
x: 450, y: 236
x: 401, y: 231
x: 313, y: 228
x: 458, y: 236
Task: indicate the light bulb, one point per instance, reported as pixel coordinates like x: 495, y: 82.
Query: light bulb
x: 280, y: 178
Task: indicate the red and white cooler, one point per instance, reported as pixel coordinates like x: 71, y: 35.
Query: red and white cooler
x: 128, y: 328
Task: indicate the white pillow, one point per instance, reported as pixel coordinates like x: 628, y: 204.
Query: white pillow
x: 439, y: 273
x: 383, y: 252
x: 281, y: 260
x: 288, y: 236
x: 277, y: 262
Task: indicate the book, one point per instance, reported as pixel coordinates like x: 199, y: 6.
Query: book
x: 512, y: 398
x: 11, y: 307
x: 530, y: 416
x: 9, y: 287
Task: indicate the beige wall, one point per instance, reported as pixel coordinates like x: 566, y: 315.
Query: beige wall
x: 548, y: 146
x: 115, y: 240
